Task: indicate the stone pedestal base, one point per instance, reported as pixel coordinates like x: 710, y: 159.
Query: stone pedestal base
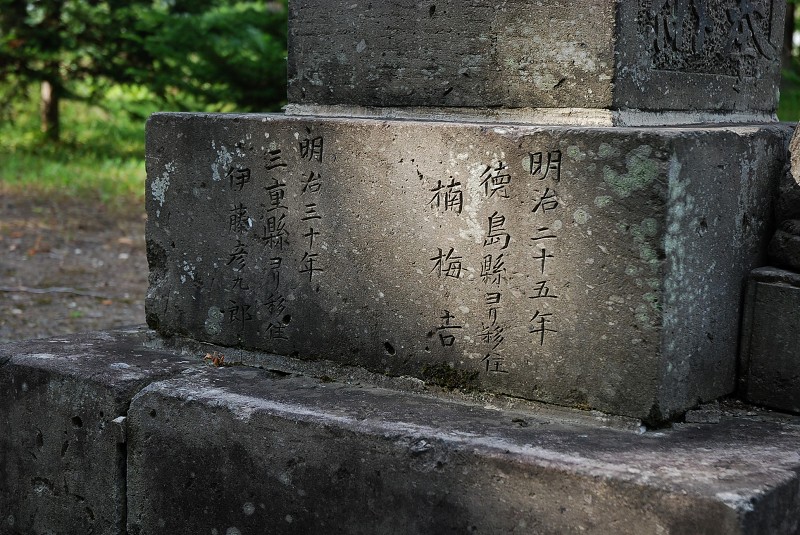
x: 114, y: 430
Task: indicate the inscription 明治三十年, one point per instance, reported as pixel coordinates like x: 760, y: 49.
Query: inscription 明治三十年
x: 311, y: 150
x: 722, y: 37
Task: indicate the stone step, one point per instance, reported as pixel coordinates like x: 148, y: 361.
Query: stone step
x: 594, y: 267
x: 123, y: 428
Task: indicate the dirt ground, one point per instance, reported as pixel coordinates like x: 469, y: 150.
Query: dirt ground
x: 68, y: 267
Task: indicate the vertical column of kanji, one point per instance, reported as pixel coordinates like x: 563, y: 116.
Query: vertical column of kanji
x: 311, y: 151
x: 496, y: 183
x: 447, y: 199
x: 545, y: 168
x: 274, y: 234
x: 240, y: 309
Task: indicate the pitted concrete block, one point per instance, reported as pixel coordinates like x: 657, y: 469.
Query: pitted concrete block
x: 62, y: 446
x: 708, y: 55
x: 591, y: 267
x: 771, y: 339
x: 235, y: 450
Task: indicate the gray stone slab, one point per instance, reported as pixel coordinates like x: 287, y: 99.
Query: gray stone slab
x: 771, y: 340
x: 62, y: 429
x: 591, y: 267
x: 712, y: 55
x: 235, y: 450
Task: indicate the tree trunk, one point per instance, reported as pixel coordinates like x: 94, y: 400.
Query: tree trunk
x: 49, y: 110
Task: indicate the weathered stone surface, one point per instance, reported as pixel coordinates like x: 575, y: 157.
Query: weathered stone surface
x: 771, y: 339
x: 784, y: 249
x: 242, y: 451
x: 62, y: 430
x: 714, y: 55
x: 591, y: 267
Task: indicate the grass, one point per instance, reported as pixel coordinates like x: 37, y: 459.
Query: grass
x: 100, y: 157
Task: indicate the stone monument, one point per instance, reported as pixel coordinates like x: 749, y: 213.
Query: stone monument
x: 507, y: 234
x: 357, y: 307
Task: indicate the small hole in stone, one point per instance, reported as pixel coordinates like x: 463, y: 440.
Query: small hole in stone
x: 77, y: 422
x: 431, y: 10
x: 389, y: 348
x: 286, y: 319
x: 152, y: 413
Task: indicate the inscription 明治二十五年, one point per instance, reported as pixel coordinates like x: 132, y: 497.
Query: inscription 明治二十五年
x: 721, y: 37
x: 544, y: 238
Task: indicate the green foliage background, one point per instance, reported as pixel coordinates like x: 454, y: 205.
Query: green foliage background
x: 114, y: 62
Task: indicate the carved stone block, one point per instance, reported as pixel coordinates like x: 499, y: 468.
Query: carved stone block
x: 592, y: 267
x: 771, y: 339
x: 653, y: 55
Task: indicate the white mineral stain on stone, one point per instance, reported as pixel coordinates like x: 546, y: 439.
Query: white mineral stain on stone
x: 233, y: 531
x: 248, y: 509
x: 160, y: 185
x: 361, y: 46
x: 224, y: 159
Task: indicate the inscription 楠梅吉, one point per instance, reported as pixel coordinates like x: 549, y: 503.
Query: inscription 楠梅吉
x: 544, y: 239
x: 723, y: 37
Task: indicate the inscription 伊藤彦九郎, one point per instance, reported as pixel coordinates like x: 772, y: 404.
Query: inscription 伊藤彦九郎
x: 721, y: 37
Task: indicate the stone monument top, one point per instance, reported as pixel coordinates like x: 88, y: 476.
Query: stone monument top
x: 609, y: 62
